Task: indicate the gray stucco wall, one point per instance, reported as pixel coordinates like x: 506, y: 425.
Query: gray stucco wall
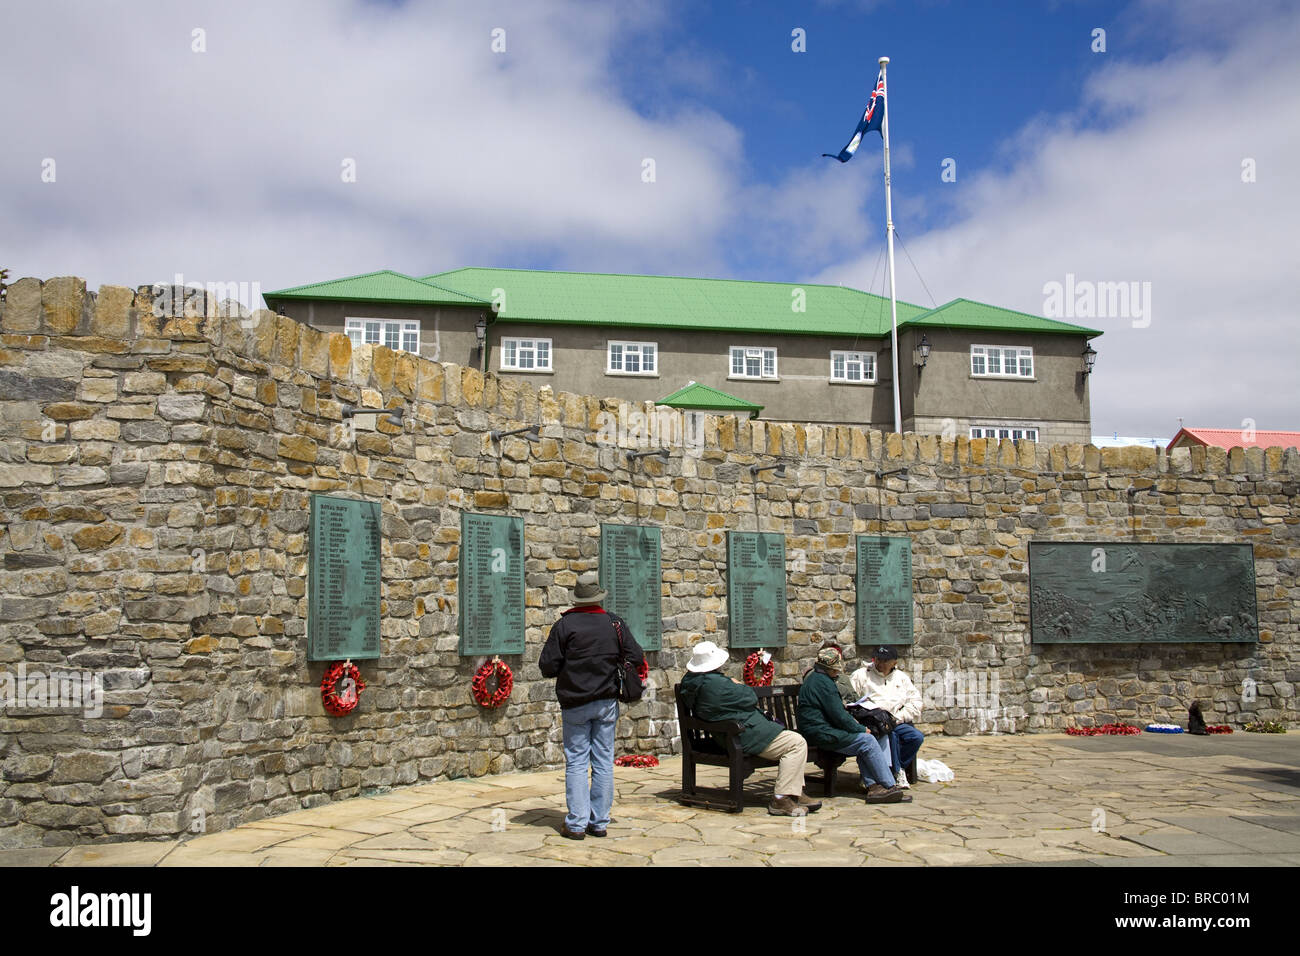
x: 446, y: 332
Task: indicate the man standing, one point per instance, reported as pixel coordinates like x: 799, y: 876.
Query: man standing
x: 826, y: 723
x: 582, y: 653
x: 882, y: 685
x: 713, y: 697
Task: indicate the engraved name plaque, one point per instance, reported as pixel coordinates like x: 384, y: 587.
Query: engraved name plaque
x: 491, y: 586
x: 630, y: 572
x: 884, y: 613
x: 344, y: 579
x: 756, y: 589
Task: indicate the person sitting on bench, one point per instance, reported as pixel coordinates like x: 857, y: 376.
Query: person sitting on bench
x: 713, y: 697
x: 828, y: 725
x: 881, y: 684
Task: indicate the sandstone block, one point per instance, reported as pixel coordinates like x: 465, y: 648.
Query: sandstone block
x: 62, y: 300
x: 112, y: 315
x: 22, y: 306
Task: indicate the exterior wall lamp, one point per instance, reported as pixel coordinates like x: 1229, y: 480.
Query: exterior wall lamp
x: 1089, y: 359
x: 653, y: 453
x: 922, y: 352
x: 480, y: 332
x: 530, y: 432
x: 778, y: 471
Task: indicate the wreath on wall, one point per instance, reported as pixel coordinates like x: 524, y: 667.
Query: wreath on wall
x: 340, y: 703
x: 754, y: 662
x: 505, y: 681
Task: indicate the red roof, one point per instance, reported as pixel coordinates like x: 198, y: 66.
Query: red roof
x: 1234, y: 438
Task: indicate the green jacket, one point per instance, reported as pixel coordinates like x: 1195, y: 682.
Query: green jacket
x: 714, y: 697
x: 823, y: 720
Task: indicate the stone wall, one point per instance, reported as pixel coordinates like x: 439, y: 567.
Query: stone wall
x: 155, y: 474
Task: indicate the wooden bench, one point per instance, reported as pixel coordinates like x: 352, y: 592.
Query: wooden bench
x: 780, y: 703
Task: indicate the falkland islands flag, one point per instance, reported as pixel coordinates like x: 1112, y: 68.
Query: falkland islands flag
x: 872, y: 118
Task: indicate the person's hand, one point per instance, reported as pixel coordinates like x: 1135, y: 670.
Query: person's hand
x: 734, y: 681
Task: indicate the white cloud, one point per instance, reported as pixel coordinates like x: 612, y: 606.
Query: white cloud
x: 227, y: 163
x: 1155, y: 195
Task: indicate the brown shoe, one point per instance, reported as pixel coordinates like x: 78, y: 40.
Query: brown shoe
x: 877, y: 793
x: 786, y: 807
x: 808, y: 803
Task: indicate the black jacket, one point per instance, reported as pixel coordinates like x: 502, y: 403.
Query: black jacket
x: 581, y: 652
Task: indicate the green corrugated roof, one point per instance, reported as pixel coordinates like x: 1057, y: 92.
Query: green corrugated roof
x: 695, y: 395
x: 967, y: 314
x: 383, y: 286
x: 667, y: 302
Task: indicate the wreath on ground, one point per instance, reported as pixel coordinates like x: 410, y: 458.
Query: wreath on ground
x: 505, y: 681
x: 1164, y: 729
x: 753, y: 663
x: 343, y: 703
x: 1218, y: 729
x: 1266, y: 727
x: 636, y: 760
x: 1116, y: 729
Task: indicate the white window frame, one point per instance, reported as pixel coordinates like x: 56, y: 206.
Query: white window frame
x: 625, y: 350
x: 1000, y: 431
x: 863, y: 359
x: 981, y: 356
x: 359, y: 329
x: 518, y: 343
x: 745, y: 354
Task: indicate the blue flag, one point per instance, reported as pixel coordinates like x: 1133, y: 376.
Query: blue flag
x: 872, y: 118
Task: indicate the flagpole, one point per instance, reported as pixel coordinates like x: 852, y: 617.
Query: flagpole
x: 889, y: 229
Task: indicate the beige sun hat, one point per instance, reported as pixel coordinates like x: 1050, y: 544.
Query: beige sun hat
x: 706, y: 656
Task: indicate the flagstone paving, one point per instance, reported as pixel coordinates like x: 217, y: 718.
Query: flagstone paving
x: 1039, y: 800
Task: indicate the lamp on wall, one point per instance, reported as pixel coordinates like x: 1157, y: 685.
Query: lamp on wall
x: 922, y: 352
x: 653, y: 453
x: 1089, y: 359
x: 394, y: 416
x: 778, y: 471
x: 480, y: 332
x: 530, y: 432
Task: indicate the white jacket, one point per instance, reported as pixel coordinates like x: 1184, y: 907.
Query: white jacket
x: 895, y: 693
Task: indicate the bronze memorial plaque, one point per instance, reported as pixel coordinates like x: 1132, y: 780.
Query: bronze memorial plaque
x: 344, y: 574
x: 884, y: 582
x: 491, y: 595
x: 1108, y: 592
x: 630, y: 572
x: 756, y: 589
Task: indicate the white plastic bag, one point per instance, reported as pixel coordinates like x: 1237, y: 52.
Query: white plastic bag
x: 933, y: 771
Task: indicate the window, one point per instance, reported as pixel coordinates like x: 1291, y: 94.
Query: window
x: 855, y: 367
x: 1014, y: 432
x: 526, y: 355
x: 753, y: 363
x: 398, y: 334
x: 632, y: 358
x: 996, y: 360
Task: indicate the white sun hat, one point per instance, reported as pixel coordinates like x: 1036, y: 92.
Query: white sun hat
x: 706, y: 656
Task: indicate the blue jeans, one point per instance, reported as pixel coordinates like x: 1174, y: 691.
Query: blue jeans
x: 873, y: 759
x: 905, y: 742
x: 589, y: 742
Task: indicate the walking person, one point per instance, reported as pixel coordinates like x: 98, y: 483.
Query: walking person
x: 582, y: 653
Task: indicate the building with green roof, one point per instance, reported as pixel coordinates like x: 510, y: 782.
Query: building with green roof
x: 801, y: 352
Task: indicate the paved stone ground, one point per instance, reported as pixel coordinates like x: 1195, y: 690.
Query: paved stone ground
x: 1043, y: 799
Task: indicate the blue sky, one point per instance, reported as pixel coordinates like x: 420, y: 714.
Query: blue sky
x: 208, y: 139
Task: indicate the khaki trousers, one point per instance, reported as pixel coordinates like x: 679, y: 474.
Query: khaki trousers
x: 792, y: 752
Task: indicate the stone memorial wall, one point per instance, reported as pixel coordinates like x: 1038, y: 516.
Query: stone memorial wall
x: 156, y: 476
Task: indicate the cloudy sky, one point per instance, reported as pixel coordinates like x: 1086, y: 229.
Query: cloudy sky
x: 289, y: 141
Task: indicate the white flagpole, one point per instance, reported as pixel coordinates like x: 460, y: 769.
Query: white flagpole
x: 889, y: 229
